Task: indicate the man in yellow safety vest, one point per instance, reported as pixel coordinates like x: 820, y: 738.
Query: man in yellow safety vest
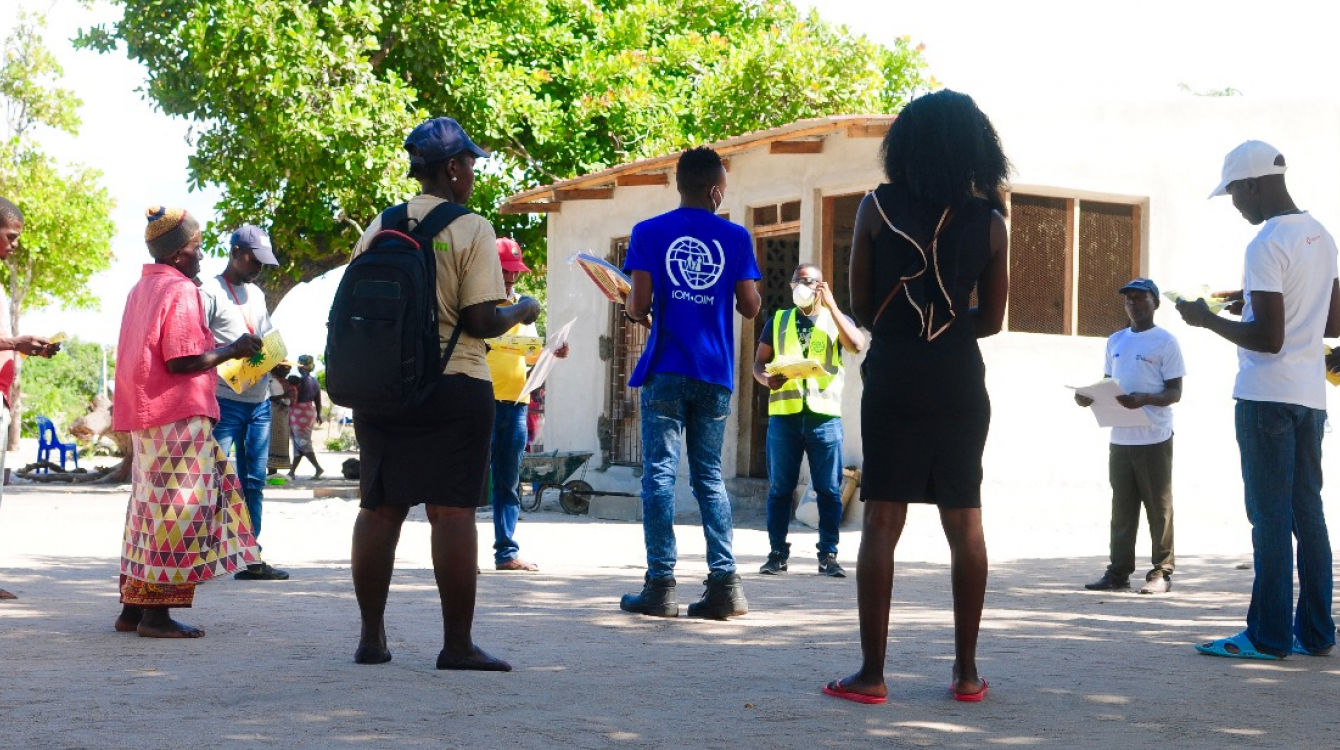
x: 805, y: 413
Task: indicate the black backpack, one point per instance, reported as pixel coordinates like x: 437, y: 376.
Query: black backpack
x: 382, y: 347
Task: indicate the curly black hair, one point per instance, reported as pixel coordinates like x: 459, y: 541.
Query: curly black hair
x: 697, y: 170
x: 9, y: 213
x: 943, y: 150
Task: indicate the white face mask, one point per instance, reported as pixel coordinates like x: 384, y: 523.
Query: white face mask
x: 802, y: 295
x: 717, y: 199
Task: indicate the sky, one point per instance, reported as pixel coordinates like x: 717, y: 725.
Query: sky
x: 997, y: 52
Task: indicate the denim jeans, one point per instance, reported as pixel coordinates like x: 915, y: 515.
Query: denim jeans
x: 248, y: 427
x: 675, y: 406
x: 820, y: 438
x: 1281, y: 474
x: 509, y: 440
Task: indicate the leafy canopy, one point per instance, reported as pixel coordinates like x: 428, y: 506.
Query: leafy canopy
x: 61, y: 388
x: 300, y: 106
x: 68, y: 228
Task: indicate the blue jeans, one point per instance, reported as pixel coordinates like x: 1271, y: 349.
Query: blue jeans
x: 675, y: 406
x: 820, y: 438
x: 247, y: 426
x: 1281, y: 474
x: 509, y: 441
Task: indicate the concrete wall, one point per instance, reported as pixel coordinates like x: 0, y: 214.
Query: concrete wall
x: 1169, y: 153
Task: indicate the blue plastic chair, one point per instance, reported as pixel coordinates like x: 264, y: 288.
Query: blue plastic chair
x: 47, y: 442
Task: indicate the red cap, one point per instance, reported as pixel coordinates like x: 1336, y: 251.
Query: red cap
x: 509, y: 254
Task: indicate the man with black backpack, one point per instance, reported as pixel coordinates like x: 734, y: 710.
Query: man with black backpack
x: 406, y: 352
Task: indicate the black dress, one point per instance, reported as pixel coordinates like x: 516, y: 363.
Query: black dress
x: 924, y: 409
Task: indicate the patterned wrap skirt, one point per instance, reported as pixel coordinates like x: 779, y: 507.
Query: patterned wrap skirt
x: 187, y: 521
x: 301, y: 419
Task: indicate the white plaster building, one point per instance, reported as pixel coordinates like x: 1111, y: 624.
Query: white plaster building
x: 1100, y: 193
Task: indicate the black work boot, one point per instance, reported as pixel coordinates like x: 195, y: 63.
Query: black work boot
x: 657, y: 599
x: 723, y: 598
x: 776, y: 561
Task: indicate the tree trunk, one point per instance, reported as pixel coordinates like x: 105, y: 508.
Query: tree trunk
x: 276, y: 285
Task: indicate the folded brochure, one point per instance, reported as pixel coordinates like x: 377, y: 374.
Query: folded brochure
x: 1216, y: 304
x: 525, y: 346
x: 241, y: 374
x: 795, y: 369
x: 611, y: 281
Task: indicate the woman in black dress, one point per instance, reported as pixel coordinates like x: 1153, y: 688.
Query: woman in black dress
x: 922, y: 243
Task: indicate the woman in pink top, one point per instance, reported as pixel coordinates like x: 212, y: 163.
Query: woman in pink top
x: 187, y: 521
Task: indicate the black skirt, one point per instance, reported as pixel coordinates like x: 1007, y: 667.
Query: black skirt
x: 924, y: 419
x: 437, y: 454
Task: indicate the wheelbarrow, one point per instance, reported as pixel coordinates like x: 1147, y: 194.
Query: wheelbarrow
x: 550, y: 470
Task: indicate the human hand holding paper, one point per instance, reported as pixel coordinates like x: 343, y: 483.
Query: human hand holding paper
x: 545, y: 363
x: 1106, y: 407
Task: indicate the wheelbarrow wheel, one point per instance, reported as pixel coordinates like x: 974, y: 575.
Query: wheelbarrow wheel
x: 531, y: 504
x: 576, y: 498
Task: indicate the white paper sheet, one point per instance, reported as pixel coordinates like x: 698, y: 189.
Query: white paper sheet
x: 1107, y: 410
x: 546, y: 360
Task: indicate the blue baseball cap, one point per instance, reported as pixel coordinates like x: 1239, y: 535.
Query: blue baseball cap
x: 439, y: 139
x: 253, y: 238
x: 1141, y: 285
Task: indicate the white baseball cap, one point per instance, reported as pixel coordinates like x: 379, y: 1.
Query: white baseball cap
x: 1251, y: 159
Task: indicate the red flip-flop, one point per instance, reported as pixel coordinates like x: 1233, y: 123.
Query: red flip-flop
x: 836, y: 690
x: 971, y: 697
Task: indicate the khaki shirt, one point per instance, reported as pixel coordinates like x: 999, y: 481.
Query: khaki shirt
x: 468, y: 273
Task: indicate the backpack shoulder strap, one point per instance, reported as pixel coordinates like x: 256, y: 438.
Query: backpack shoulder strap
x: 396, y: 218
x: 438, y: 219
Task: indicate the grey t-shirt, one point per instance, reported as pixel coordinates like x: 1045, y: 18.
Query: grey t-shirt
x: 229, y: 318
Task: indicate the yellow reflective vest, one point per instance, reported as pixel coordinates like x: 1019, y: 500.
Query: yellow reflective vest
x: 823, y: 394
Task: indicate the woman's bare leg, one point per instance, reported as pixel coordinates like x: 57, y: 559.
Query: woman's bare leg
x: 967, y: 545
x: 376, y: 533
x: 882, y: 528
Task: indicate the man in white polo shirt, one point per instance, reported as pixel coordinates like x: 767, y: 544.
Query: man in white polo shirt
x: 1290, y: 299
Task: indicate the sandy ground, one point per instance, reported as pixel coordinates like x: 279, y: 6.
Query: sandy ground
x: 1068, y: 668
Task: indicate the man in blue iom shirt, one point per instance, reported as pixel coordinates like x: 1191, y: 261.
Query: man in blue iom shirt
x: 691, y: 271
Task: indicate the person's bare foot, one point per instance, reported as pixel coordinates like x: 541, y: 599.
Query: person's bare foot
x: 129, y: 619
x: 6, y: 595
x: 156, y: 623
x: 862, y: 685
x: 318, y: 473
x: 477, y: 660
x: 965, y: 683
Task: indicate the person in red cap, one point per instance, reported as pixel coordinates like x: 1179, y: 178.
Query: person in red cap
x: 509, y: 421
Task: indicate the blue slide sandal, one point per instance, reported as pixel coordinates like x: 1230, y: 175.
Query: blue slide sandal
x: 1244, y: 646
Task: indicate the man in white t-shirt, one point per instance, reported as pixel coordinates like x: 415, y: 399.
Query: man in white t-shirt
x: 1290, y: 299
x: 1146, y: 362
x: 235, y: 306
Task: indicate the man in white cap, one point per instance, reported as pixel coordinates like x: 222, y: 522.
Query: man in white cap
x: 1290, y: 299
x: 234, y: 306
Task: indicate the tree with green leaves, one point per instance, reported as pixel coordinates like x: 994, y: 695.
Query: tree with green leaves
x: 300, y: 106
x: 68, y: 227
x: 62, y: 387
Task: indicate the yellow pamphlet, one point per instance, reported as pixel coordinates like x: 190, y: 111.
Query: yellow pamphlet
x: 525, y: 346
x: 795, y: 369
x: 1216, y: 304
x: 1332, y: 377
x: 241, y: 374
